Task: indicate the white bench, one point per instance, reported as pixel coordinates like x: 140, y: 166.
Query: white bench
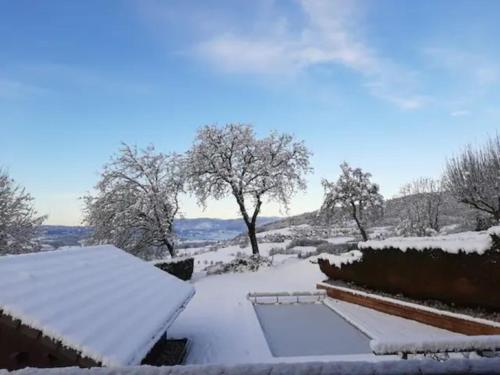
x: 287, y: 297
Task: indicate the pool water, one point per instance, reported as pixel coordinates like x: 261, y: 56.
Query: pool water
x: 309, y: 329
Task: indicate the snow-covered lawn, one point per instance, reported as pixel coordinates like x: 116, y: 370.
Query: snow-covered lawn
x: 340, y: 240
x: 228, y: 253
x: 224, y: 328
x: 288, y: 231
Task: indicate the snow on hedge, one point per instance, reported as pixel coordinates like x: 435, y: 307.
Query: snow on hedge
x: 341, y: 259
x: 462, y: 344
x: 101, y: 301
x: 467, y: 242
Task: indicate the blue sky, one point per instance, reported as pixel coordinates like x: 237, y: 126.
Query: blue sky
x: 393, y: 87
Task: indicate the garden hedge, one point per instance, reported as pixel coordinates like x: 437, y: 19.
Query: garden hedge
x: 183, y: 268
x: 457, y: 279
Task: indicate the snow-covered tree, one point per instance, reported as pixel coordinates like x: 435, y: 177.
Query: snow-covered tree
x: 19, y: 222
x: 473, y: 177
x: 354, y: 196
x: 421, y: 202
x: 136, y: 201
x: 230, y: 160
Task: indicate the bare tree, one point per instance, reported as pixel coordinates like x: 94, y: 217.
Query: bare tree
x: 421, y: 201
x: 473, y: 177
x: 19, y: 222
x: 354, y: 195
x: 231, y: 160
x: 136, y: 201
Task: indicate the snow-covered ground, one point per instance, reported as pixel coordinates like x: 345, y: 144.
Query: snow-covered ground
x: 288, y: 231
x: 224, y: 328
x: 340, y: 240
x: 204, y: 257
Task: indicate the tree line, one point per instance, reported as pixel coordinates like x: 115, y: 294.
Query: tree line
x: 136, y: 198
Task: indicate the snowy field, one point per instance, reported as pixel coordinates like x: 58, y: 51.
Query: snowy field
x: 223, y: 327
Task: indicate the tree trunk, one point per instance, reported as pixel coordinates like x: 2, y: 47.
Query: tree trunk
x: 170, y: 247
x: 250, y: 222
x: 358, y: 223
x: 253, y: 238
x: 361, y: 229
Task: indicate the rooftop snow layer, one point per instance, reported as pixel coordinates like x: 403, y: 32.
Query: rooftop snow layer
x: 102, y: 301
x: 467, y: 242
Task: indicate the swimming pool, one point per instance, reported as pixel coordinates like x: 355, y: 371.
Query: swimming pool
x: 309, y: 329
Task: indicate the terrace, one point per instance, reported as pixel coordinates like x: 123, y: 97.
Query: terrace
x: 225, y: 327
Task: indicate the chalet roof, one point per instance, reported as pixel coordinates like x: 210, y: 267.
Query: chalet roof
x: 101, y: 301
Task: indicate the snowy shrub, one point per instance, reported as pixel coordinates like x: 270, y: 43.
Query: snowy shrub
x: 214, y: 248
x: 244, y: 243
x: 277, y: 250
x: 337, y: 248
x: 283, y: 251
x: 410, y: 228
x: 240, y: 264
x: 483, y: 222
x: 307, y: 254
x: 305, y: 242
x: 274, y: 238
x: 181, y: 268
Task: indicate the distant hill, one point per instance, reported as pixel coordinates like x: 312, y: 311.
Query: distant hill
x: 199, y: 229
x: 210, y: 229
x: 305, y: 218
x: 55, y: 236
x: 452, y: 212
x: 206, y: 229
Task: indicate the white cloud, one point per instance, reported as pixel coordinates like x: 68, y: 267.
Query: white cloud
x: 460, y: 113
x: 475, y: 67
x: 328, y: 36
x: 275, y: 50
x: 409, y: 102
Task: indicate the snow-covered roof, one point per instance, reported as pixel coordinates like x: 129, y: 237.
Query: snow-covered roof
x: 467, y: 242
x: 101, y: 301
